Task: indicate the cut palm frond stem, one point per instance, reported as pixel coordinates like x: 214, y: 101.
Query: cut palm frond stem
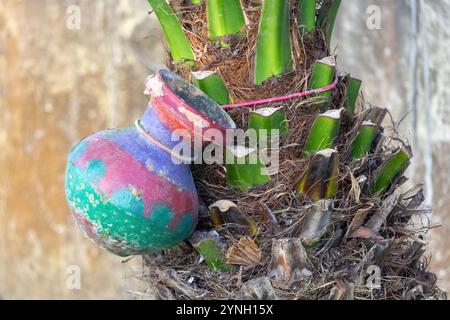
x: 178, y: 43
x: 274, y: 48
x: 320, y: 178
x: 245, y: 169
x: 352, y: 94
x: 225, y: 18
x: 213, y: 85
x: 225, y: 212
x: 324, y: 131
x: 326, y: 17
x: 207, y: 244
x: 363, y: 142
x: 307, y: 16
x: 386, y: 175
x: 266, y: 122
x: 317, y: 223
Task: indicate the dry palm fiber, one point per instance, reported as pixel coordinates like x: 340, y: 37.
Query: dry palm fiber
x: 366, y: 230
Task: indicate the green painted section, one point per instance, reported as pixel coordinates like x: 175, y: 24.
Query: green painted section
x: 119, y: 220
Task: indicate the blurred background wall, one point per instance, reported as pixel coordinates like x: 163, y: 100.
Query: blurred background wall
x: 60, y: 81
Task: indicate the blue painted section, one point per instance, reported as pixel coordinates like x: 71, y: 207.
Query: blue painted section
x: 151, y: 156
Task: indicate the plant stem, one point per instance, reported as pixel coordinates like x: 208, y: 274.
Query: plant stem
x: 268, y: 119
x: 179, y: 45
x: 363, y: 143
x: 391, y: 169
x: 324, y: 131
x: 273, y: 49
x: 213, y: 85
x: 307, y: 15
x: 327, y: 17
x: 353, y: 88
x: 225, y: 17
x: 323, y: 74
x: 319, y: 182
x: 245, y: 169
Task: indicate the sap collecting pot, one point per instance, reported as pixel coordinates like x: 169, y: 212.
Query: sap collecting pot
x: 122, y: 185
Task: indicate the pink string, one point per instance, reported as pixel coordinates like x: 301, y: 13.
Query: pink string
x: 282, y: 98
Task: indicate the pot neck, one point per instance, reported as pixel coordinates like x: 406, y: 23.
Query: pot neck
x: 153, y: 126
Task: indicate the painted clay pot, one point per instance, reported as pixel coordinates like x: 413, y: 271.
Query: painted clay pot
x: 124, y: 188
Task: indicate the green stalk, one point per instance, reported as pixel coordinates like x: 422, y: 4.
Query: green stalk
x: 269, y: 119
x: 327, y: 17
x: 323, y: 74
x: 307, y: 15
x: 353, y: 88
x: 319, y: 182
x: 324, y: 131
x: 391, y: 169
x: 363, y: 142
x: 179, y: 45
x: 245, y: 169
x: 273, y: 48
x: 225, y: 17
x: 207, y: 244
x: 213, y: 85
x: 196, y: 1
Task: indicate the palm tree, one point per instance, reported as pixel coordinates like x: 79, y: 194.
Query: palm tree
x: 333, y: 208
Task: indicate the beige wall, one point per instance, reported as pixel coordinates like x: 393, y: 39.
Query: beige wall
x: 58, y: 85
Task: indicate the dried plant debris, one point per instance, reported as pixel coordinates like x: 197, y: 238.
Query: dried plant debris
x: 258, y: 289
x: 244, y: 253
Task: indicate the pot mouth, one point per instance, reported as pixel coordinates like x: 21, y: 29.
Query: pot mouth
x: 193, y: 98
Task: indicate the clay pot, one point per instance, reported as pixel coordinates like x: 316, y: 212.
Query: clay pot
x: 124, y: 188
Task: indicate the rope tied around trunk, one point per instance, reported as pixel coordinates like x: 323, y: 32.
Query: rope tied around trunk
x: 282, y: 98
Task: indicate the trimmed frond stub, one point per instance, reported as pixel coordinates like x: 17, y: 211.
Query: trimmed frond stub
x: 363, y: 142
x: 307, y: 16
x: 352, y: 93
x: 245, y: 169
x: 391, y: 169
x: 289, y: 262
x: 274, y: 48
x: 225, y: 18
x: 265, y: 121
x: 225, y: 212
x: 320, y: 179
x: 326, y: 17
x: 213, y: 85
x: 324, y: 131
x: 179, y: 46
x: 317, y: 223
x: 323, y: 75
x: 376, y: 115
